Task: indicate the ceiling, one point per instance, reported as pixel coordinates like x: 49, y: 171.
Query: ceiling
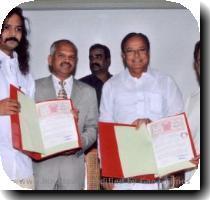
x: 96, y: 4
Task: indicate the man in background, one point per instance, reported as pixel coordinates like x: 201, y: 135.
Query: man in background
x: 99, y: 61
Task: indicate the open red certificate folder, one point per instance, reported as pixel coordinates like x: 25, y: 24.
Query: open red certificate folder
x: 153, y: 151
x: 44, y: 129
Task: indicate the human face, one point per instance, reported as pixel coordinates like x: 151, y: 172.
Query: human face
x: 63, y: 61
x: 98, y: 61
x: 136, y: 56
x: 11, y: 34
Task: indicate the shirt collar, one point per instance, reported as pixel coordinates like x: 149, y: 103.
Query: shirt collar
x: 68, y: 81
x: 96, y: 79
x: 145, y: 75
x: 5, y: 56
x: 6, y: 61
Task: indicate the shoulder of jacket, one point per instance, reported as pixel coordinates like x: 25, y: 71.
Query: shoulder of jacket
x: 82, y: 85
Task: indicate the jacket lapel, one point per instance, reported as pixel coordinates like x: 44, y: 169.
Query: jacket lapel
x: 51, y: 89
x: 75, y: 93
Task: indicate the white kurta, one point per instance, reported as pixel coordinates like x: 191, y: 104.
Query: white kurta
x: 16, y: 164
x: 125, y: 99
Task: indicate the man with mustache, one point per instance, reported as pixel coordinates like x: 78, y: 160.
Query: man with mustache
x: 99, y: 61
x: 66, y: 171
x: 14, y: 69
x: 137, y: 95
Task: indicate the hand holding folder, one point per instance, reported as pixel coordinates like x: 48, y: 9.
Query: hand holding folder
x: 153, y: 151
x: 9, y: 106
x: 43, y: 129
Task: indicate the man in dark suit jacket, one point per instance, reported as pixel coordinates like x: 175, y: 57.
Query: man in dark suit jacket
x: 99, y: 60
x: 67, y: 171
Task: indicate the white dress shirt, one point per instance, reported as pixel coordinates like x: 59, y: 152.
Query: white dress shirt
x: 193, y: 113
x: 153, y: 96
x: 68, y: 84
x: 16, y: 164
x: 125, y: 99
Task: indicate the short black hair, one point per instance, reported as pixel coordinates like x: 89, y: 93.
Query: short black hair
x: 133, y: 34
x: 101, y: 46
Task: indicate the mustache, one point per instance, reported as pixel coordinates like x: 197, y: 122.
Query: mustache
x: 66, y: 63
x: 95, y: 64
x: 12, y: 39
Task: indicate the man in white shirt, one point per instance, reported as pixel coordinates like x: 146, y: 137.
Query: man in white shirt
x: 139, y: 95
x: 14, y: 69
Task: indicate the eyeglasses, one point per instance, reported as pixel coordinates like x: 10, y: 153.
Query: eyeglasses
x: 132, y: 52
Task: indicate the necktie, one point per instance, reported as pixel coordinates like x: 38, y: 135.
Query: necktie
x: 62, y: 92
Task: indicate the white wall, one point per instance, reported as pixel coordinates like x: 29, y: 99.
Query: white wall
x: 172, y: 33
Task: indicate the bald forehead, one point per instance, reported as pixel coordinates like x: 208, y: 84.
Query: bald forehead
x: 65, y: 44
x: 61, y: 45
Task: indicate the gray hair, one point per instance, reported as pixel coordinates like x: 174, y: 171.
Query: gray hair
x: 58, y: 42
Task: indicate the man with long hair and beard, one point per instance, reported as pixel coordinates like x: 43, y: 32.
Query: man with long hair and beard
x: 14, y: 69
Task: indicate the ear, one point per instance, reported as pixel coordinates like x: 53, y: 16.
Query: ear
x: 149, y: 54
x: 76, y: 62
x: 123, y: 55
x: 108, y: 62
x: 50, y: 60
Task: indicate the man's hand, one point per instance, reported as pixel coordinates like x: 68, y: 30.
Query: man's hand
x: 139, y: 122
x: 9, y: 106
x: 107, y: 186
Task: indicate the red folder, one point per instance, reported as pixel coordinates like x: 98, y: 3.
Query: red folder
x: 110, y: 160
x: 190, y: 135
x: 16, y: 132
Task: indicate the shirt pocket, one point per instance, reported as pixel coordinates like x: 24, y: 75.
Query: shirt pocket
x: 124, y: 105
x: 155, y: 103
x: 124, y: 99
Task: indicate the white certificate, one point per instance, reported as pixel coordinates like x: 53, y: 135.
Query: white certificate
x: 56, y: 123
x: 172, y: 144
x: 47, y: 127
x: 159, y: 148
